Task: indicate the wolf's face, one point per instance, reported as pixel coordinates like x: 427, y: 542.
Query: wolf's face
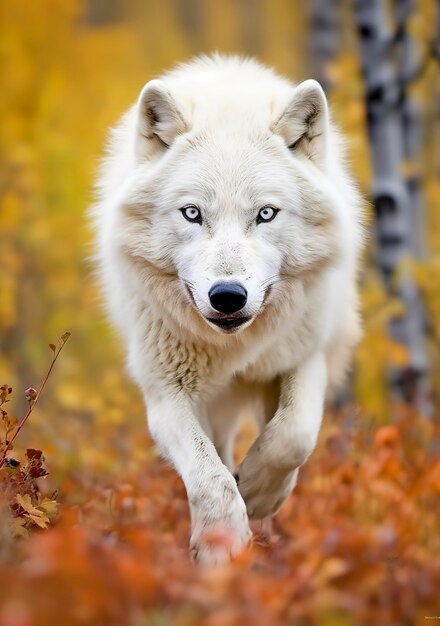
x: 232, y: 211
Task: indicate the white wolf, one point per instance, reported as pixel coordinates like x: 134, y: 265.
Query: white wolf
x: 228, y: 236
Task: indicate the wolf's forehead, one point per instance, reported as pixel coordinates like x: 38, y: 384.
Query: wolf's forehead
x: 229, y: 187
x: 236, y: 164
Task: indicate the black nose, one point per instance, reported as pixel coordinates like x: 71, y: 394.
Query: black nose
x: 227, y: 297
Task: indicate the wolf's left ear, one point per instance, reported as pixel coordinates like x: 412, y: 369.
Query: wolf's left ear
x: 304, y: 123
x: 159, y: 119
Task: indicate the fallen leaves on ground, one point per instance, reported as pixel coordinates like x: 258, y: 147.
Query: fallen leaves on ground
x: 357, y: 543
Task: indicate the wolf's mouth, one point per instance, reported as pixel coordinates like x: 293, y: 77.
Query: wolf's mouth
x: 228, y: 323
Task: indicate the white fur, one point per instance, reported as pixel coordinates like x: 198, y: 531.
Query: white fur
x: 228, y: 123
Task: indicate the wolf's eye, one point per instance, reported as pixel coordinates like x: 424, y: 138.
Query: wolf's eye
x: 266, y: 214
x: 192, y: 214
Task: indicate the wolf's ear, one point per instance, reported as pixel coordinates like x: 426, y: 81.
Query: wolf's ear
x: 159, y: 119
x: 304, y: 123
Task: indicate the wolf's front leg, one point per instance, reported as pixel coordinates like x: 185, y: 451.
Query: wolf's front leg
x: 214, y: 499
x: 268, y: 473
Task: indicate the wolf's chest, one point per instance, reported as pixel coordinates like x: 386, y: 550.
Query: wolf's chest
x: 282, y: 354
x: 273, y: 361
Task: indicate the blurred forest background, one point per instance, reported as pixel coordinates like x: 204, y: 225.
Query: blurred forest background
x: 349, y: 550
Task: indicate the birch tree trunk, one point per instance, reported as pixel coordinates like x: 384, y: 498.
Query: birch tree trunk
x: 411, y: 125
x: 390, y: 192
x: 325, y: 37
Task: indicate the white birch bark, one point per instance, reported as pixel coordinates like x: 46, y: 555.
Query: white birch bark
x: 411, y: 125
x: 390, y: 192
x: 325, y: 37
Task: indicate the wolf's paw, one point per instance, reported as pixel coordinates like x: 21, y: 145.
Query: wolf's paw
x: 217, y: 545
x: 264, y: 488
x: 220, y: 526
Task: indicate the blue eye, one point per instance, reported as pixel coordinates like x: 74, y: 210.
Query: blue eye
x: 266, y: 214
x: 192, y: 214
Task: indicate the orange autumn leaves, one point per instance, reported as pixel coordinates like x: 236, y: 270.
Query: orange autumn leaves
x: 357, y: 543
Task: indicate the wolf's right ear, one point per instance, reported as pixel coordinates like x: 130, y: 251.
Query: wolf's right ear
x: 159, y: 119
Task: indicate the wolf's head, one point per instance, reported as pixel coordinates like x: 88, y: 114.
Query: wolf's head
x: 230, y: 198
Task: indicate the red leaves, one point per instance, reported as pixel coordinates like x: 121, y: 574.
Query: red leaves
x: 32, y: 396
x: 22, y: 502
x: 21, y: 493
x: 357, y: 543
x: 34, y: 467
